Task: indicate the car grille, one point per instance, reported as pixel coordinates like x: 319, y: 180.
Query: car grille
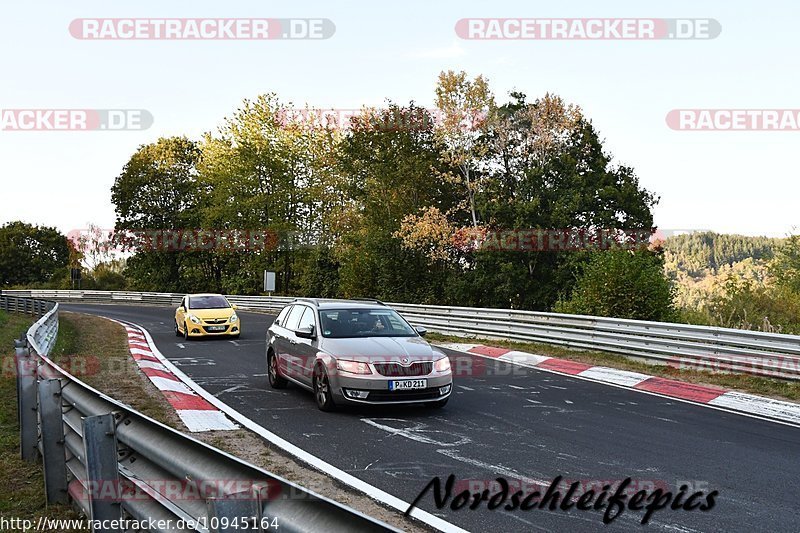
x: 397, y: 370
x: 215, y: 321
x: 404, y: 396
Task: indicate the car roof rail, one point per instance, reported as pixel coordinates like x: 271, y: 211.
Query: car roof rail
x: 368, y: 300
x: 310, y: 300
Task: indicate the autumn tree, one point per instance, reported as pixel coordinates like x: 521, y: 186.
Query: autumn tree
x: 466, y: 106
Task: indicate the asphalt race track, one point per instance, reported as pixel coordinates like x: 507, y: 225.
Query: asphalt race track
x: 514, y: 423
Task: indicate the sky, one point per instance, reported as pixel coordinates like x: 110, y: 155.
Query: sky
x: 727, y: 181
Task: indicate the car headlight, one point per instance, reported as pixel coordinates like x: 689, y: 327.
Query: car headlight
x: 353, y: 367
x: 234, y: 318
x: 194, y: 319
x: 442, y: 365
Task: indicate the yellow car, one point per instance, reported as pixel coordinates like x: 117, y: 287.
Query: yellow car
x: 206, y: 315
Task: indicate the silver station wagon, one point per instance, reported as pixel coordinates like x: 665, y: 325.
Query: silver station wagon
x: 355, y: 352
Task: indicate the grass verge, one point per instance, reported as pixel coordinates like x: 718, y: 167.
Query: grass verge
x: 773, y: 388
x: 22, y: 496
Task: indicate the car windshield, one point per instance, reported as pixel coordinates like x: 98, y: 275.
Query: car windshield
x: 208, y: 302
x: 350, y: 323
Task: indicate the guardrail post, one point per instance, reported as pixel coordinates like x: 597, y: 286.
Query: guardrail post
x: 53, y: 453
x: 102, y: 472
x: 25, y: 366
x: 229, y: 512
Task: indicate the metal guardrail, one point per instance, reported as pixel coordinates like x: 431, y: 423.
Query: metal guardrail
x: 698, y: 347
x: 117, y: 464
x: 682, y: 345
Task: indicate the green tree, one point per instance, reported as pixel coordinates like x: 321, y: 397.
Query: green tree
x: 267, y: 171
x: 390, y: 173
x: 786, y: 265
x: 547, y: 169
x: 622, y: 284
x: 32, y: 254
x: 159, y: 189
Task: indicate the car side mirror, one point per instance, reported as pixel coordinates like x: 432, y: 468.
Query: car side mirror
x: 306, y: 333
x: 181, y: 309
x: 421, y: 330
x: 234, y: 307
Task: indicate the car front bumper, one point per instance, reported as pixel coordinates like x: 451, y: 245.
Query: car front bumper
x: 201, y: 330
x: 439, y: 386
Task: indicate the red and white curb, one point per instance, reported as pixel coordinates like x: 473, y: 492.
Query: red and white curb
x: 195, y: 412
x: 703, y: 394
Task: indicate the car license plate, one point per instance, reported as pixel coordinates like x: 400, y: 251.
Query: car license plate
x: 406, y: 384
x: 216, y: 328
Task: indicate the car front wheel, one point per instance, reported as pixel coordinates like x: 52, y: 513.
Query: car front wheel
x: 322, y: 389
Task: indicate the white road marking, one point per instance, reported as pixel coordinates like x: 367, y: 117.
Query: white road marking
x: 230, y: 389
x: 530, y: 524
x: 464, y: 387
x: 234, y: 343
x: 416, y: 432
x: 673, y: 527
x: 179, y: 345
x: 495, y: 469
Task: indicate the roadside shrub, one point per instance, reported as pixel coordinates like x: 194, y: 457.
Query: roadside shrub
x: 622, y: 284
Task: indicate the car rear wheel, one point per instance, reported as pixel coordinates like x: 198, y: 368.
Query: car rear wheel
x: 185, y: 331
x: 275, y: 379
x: 322, y: 389
x: 177, y: 331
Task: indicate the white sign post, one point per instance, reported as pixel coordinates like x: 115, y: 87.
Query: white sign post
x: 269, y: 282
